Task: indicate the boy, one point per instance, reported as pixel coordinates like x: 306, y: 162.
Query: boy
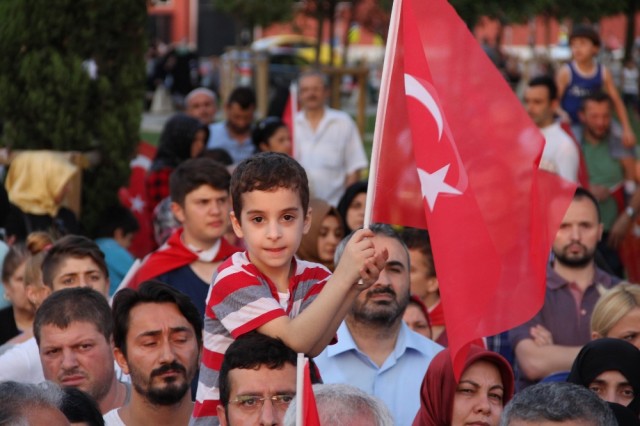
x: 584, y: 75
x: 200, y: 201
x: 266, y: 288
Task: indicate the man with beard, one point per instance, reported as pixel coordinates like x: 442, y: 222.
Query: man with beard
x: 74, y: 330
x: 376, y: 350
x: 234, y: 134
x: 158, y: 339
x: 550, y: 341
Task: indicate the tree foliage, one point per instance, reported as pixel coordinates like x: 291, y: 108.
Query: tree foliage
x: 48, y: 99
x: 249, y: 13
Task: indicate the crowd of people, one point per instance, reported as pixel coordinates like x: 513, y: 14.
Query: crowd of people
x: 260, y: 254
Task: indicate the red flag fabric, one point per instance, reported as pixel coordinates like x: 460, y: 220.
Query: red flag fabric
x: 450, y: 132
x: 310, y: 416
x: 289, y: 113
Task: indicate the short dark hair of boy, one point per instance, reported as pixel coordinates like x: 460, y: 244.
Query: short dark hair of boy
x: 268, y: 171
x: 193, y: 173
x: 151, y: 291
x: 79, y: 304
x: 249, y: 352
x: 546, y: 81
x: 418, y: 239
x: 75, y: 246
x: 79, y: 407
x: 244, y: 96
x: 585, y: 31
x: 117, y: 217
x: 597, y: 97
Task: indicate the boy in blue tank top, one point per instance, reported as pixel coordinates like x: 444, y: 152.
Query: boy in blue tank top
x: 584, y: 75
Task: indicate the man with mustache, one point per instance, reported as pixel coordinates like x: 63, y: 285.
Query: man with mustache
x: 376, y: 350
x: 74, y: 332
x: 550, y: 341
x: 158, y: 339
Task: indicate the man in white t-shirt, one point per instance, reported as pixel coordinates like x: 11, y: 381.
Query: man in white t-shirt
x: 560, y: 154
x: 326, y: 141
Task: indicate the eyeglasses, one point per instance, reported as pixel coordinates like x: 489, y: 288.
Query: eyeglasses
x: 251, y: 403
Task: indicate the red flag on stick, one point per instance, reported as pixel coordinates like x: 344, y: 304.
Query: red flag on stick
x: 450, y: 132
x: 306, y: 408
x: 289, y: 113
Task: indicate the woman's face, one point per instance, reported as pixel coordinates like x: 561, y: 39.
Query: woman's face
x: 612, y: 386
x: 198, y: 143
x: 479, y: 396
x: 280, y: 141
x: 329, y: 237
x: 415, y: 319
x: 628, y: 328
x: 355, y: 212
x: 14, y: 288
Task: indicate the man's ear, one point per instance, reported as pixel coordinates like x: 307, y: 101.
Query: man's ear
x: 178, y: 211
x: 121, y: 360
x: 235, y: 223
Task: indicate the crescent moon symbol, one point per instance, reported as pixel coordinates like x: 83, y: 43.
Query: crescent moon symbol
x: 416, y: 90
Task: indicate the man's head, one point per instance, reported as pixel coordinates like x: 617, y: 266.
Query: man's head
x: 119, y: 223
x: 158, y: 338
x: 312, y: 90
x: 541, y: 100
x: 385, y: 301
x: 239, y: 110
x: 550, y: 404
x: 257, y: 381
x: 595, y: 115
x: 344, y: 405
x: 75, y: 261
x: 579, y: 232
x: 268, y: 171
x: 30, y: 404
x: 423, y: 269
x: 74, y: 329
x: 199, y: 190
x: 201, y: 104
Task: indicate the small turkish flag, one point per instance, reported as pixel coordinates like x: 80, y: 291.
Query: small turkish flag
x: 451, y: 132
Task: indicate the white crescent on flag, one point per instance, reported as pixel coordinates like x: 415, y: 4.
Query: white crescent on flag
x: 413, y: 88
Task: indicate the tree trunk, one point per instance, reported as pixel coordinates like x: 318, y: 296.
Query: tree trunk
x: 320, y: 14
x: 331, y: 14
x: 632, y: 8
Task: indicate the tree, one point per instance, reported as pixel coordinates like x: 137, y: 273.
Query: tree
x: 249, y: 13
x: 50, y: 101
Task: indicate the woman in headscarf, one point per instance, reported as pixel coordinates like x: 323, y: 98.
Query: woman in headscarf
x: 351, y: 206
x: 485, y: 386
x: 610, y: 368
x: 37, y: 183
x: 182, y: 137
x: 325, y: 233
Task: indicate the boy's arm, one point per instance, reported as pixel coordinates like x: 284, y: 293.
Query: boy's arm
x: 312, y: 330
x: 563, y: 78
x: 628, y: 138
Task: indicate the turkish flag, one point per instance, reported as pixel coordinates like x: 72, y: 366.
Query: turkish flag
x: 289, y: 113
x: 310, y: 416
x: 450, y: 132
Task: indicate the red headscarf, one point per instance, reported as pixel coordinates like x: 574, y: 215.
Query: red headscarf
x: 439, y: 385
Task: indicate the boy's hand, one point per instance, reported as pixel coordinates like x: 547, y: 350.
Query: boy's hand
x: 370, y: 272
x: 359, y: 259
x: 628, y: 138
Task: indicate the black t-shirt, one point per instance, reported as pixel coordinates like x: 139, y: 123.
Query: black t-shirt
x: 8, y: 327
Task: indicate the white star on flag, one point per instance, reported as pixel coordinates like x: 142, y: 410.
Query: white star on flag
x: 433, y: 184
x: 137, y: 204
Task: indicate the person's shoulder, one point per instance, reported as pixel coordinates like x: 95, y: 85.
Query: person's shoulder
x: 336, y: 114
x: 420, y: 343
x: 112, y: 418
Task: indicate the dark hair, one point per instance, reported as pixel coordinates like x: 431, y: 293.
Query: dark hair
x: 79, y: 304
x: 584, y: 193
x: 79, y: 407
x: 546, y: 81
x: 71, y: 246
x: 251, y: 351
x: 585, y: 31
x: 597, y: 97
x: 245, y: 97
x: 176, y: 139
x: 220, y: 155
x: 347, y: 198
x: 268, y: 171
x: 263, y: 131
x: 418, y: 239
x: 116, y: 217
x: 194, y: 173
x: 15, y: 257
x: 151, y: 291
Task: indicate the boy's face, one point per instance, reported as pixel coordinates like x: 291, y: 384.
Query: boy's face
x: 583, y: 49
x: 272, y: 224
x: 204, y: 215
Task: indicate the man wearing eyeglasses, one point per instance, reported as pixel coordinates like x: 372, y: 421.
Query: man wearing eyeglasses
x: 257, y: 381
x: 158, y: 339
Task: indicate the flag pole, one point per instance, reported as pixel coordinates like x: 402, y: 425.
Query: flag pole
x: 299, y: 388
x: 389, y: 54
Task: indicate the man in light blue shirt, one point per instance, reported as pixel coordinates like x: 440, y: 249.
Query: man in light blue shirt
x: 234, y: 134
x: 376, y: 350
